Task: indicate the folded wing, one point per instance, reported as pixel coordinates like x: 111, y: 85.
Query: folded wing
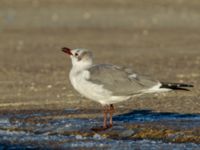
x: 120, y: 80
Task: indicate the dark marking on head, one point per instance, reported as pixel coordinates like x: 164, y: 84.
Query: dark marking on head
x: 84, y: 54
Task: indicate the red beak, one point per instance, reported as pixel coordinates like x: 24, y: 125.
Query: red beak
x: 67, y: 50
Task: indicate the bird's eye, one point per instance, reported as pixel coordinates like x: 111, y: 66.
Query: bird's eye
x: 76, y: 54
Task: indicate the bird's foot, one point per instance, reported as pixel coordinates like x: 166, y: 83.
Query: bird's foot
x: 99, y: 129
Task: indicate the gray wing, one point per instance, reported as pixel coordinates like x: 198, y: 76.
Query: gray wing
x: 120, y: 80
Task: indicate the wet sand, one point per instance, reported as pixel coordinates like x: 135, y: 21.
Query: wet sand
x: 143, y: 129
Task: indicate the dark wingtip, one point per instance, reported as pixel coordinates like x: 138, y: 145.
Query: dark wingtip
x: 190, y: 85
x: 177, y: 86
x: 186, y: 85
x: 183, y: 89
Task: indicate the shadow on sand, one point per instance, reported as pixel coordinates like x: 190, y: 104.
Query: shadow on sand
x: 149, y: 115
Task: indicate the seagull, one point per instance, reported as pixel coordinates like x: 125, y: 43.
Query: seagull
x: 108, y: 84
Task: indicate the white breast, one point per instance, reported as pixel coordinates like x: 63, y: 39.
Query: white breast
x: 93, y: 91
x: 87, y: 88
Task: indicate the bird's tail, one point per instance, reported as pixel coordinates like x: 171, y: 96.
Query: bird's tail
x: 176, y: 86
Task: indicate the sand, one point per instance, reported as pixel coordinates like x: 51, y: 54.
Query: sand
x: 157, y: 38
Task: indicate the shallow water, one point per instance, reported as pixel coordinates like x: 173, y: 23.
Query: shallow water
x: 44, y: 130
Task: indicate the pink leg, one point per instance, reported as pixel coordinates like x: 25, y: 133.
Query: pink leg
x: 111, y: 110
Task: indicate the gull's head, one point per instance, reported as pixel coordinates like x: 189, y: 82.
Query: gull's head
x: 81, y: 58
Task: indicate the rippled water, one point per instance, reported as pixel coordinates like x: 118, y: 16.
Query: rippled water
x: 18, y: 132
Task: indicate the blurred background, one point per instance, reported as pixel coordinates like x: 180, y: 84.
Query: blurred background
x: 158, y: 38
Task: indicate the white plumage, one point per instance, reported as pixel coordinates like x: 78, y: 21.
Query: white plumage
x: 109, y: 84
x: 97, y: 82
